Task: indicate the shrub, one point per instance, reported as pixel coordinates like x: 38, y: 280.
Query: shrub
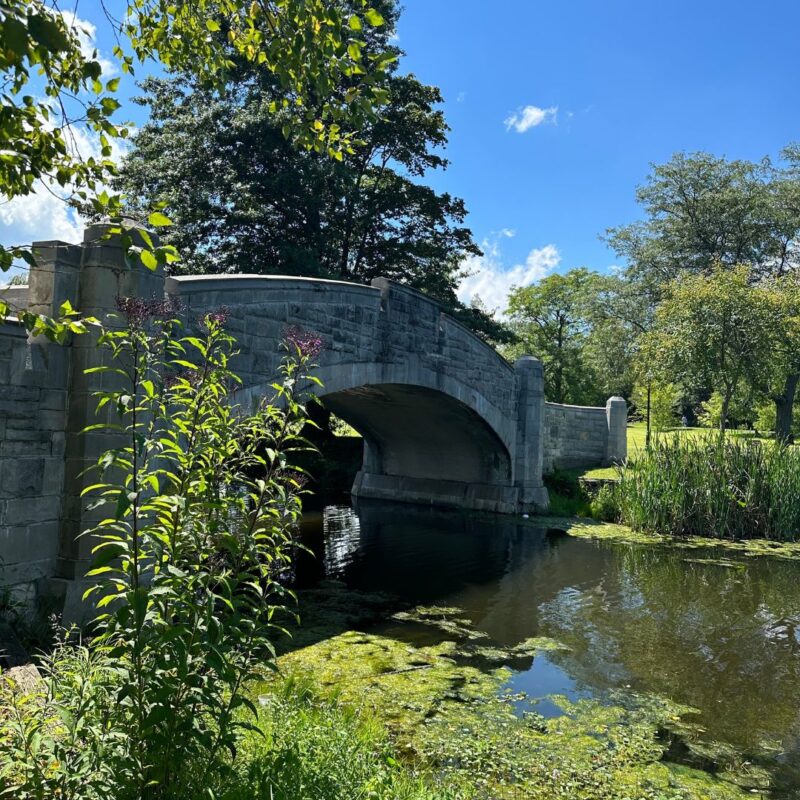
x: 730, y: 489
x: 201, y: 501
x: 605, y: 504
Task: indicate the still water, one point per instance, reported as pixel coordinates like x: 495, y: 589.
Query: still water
x: 717, y: 632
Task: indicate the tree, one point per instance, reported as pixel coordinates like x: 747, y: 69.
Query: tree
x: 245, y: 199
x: 51, y: 86
x: 702, y: 212
x: 715, y: 330
x: 551, y: 320
x: 659, y: 402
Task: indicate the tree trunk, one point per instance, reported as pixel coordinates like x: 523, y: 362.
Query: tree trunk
x: 783, y: 409
x: 647, y: 438
x: 723, y: 419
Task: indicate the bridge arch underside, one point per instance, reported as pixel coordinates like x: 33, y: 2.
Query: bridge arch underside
x: 423, y: 445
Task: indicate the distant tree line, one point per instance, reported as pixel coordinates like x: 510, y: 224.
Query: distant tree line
x: 703, y: 320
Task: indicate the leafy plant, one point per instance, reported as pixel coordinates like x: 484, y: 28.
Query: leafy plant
x: 201, y: 503
x: 730, y: 489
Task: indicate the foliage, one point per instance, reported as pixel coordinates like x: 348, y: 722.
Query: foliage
x: 53, y: 88
x: 715, y: 330
x: 309, y: 747
x: 729, y: 489
x: 702, y: 211
x: 741, y: 409
x: 246, y: 199
x: 765, y: 416
x: 568, y: 498
x: 604, y: 504
x: 58, y: 736
x: 550, y: 320
x: 201, y: 503
x: 663, y: 402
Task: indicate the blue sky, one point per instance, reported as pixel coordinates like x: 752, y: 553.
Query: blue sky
x: 609, y: 87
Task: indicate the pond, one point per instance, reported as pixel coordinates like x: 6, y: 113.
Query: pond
x: 610, y: 624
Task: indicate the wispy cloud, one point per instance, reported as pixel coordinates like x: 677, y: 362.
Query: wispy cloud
x: 488, y: 279
x: 527, y: 117
x: 86, y: 32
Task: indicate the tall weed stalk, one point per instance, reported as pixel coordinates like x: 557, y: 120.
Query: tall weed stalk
x: 200, y: 501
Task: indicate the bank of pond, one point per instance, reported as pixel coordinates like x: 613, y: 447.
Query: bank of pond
x: 473, y: 656
x: 703, y: 486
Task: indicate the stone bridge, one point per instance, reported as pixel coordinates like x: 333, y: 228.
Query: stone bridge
x: 445, y: 420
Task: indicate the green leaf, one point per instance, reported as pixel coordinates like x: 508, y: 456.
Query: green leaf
x: 148, y: 259
x: 159, y: 220
x: 212, y: 25
x: 374, y: 18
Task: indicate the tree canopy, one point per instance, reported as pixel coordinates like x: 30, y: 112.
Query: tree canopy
x: 327, y: 85
x: 244, y: 198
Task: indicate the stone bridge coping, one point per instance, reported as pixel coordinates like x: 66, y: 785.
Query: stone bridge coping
x: 595, y: 409
x: 191, y: 284
x: 222, y: 283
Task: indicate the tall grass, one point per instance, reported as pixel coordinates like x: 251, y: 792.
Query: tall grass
x: 730, y: 489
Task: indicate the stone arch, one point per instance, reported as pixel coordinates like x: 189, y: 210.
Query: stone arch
x: 474, y: 438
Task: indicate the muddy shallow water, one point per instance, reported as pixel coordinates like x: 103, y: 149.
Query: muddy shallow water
x: 705, y: 628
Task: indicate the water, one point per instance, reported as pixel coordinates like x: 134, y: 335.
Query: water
x: 703, y: 628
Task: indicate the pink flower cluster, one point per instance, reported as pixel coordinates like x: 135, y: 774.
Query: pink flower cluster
x: 307, y: 343
x: 138, y: 310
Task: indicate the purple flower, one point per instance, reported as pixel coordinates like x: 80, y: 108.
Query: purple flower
x: 218, y: 317
x: 308, y: 344
x: 138, y: 310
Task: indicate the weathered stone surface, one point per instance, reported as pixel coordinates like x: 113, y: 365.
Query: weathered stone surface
x: 445, y: 419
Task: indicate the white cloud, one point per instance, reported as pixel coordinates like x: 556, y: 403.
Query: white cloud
x: 461, y: 97
x: 490, y: 281
x: 523, y: 119
x: 87, y: 36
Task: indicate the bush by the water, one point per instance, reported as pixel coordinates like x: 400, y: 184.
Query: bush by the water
x: 729, y: 489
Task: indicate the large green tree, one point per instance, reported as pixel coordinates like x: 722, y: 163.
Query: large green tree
x: 703, y: 213
x: 51, y: 85
x: 716, y: 330
x: 244, y: 198
x: 552, y: 320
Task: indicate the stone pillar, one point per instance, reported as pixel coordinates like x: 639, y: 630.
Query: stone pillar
x: 529, y: 389
x: 34, y: 373
x: 105, y: 273
x: 617, y: 418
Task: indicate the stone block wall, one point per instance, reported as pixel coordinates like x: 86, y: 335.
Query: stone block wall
x: 32, y: 440
x: 584, y: 436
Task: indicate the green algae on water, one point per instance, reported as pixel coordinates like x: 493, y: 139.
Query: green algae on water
x: 608, y: 531
x: 450, y: 712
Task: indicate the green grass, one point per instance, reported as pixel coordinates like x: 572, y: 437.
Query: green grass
x: 309, y: 747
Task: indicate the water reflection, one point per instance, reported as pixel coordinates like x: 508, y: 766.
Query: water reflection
x: 720, y: 635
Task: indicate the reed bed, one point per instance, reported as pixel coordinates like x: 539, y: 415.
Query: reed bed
x: 728, y: 489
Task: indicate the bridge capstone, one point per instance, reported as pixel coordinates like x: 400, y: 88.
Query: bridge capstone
x: 445, y: 419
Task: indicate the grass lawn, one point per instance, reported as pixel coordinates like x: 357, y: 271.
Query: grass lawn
x: 637, y: 436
